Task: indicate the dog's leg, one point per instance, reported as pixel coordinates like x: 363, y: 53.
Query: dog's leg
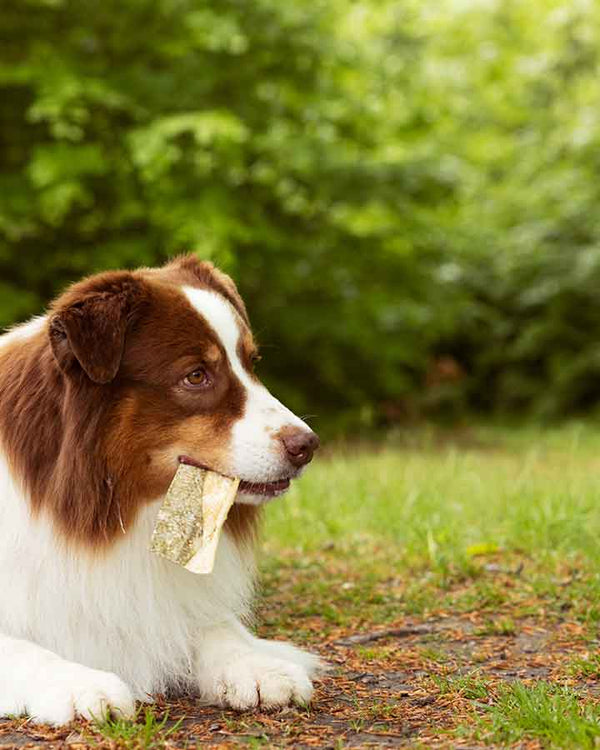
x: 49, y: 689
x: 311, y: 663
x: 236, y: 669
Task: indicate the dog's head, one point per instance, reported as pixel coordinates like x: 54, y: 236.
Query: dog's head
x: 160, y: 363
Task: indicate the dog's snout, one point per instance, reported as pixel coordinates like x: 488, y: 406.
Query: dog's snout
x: 300, y: 444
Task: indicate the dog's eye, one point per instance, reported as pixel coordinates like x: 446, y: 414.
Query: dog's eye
x: 197, y: 379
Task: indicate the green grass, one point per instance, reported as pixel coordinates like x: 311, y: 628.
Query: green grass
x: 145, y: 732
x: 497, y: 522
x: 552, y: 714
x: 469, y: 686
x: 429, y: 512
x: 587, y: 667
x: 501, y: 626
x: 531, y: 490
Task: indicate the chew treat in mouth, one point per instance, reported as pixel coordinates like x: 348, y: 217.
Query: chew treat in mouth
x: 190, y: 519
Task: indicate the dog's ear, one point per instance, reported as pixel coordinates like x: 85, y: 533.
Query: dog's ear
x: 89, y: 325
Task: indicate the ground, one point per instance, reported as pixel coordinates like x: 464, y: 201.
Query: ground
x: 451, y: 581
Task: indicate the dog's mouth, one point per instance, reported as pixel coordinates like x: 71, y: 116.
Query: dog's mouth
x: 267, y: 489
x: 263, y: 489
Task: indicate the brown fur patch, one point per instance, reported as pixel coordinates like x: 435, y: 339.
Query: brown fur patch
x: 242, y: 522
x: 188, y: 270
x: 93, y: 412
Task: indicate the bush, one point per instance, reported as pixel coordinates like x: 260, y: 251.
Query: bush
x: 406, y: 195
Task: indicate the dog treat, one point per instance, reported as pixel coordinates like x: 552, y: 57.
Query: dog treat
x: 190, y: 519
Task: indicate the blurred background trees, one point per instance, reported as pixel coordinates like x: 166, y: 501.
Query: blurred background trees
x: 406, y: 192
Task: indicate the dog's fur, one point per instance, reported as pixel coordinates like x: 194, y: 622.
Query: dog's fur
x: 95, y: 413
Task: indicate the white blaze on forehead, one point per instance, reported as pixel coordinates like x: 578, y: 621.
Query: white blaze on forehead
x: 223, y: 319
x: 256, y: 453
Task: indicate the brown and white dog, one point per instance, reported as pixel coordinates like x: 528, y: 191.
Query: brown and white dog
x: 99, y: 400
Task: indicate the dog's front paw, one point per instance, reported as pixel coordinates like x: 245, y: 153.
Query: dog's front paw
x: 245, y: 681
x: 64, y: 690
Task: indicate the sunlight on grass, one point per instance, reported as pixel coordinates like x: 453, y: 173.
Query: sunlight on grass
x: 433, y: 511
x: 532, y: 491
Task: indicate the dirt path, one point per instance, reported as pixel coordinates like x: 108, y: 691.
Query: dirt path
x: 410, y: 683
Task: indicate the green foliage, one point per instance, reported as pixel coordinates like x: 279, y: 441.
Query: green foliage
x: 405, y: 193
x: 516, y: 126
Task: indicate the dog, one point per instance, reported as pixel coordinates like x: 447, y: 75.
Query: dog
x: 129, y: 373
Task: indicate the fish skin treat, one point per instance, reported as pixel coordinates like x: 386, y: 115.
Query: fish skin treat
x: 190, y: 520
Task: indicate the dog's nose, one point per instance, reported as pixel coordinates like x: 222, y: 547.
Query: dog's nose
x: 300, y: 444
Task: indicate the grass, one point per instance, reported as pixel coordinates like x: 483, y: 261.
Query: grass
x: 486, y: 539
x: 145, y: 732
x: 439, y: 504
x: 498, y: 627
x: 431, y: 514
x: 470, y: 686
x: 551, y: 713
x: 497, y: 522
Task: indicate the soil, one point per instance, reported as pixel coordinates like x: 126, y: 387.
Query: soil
x: 399, y: 686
